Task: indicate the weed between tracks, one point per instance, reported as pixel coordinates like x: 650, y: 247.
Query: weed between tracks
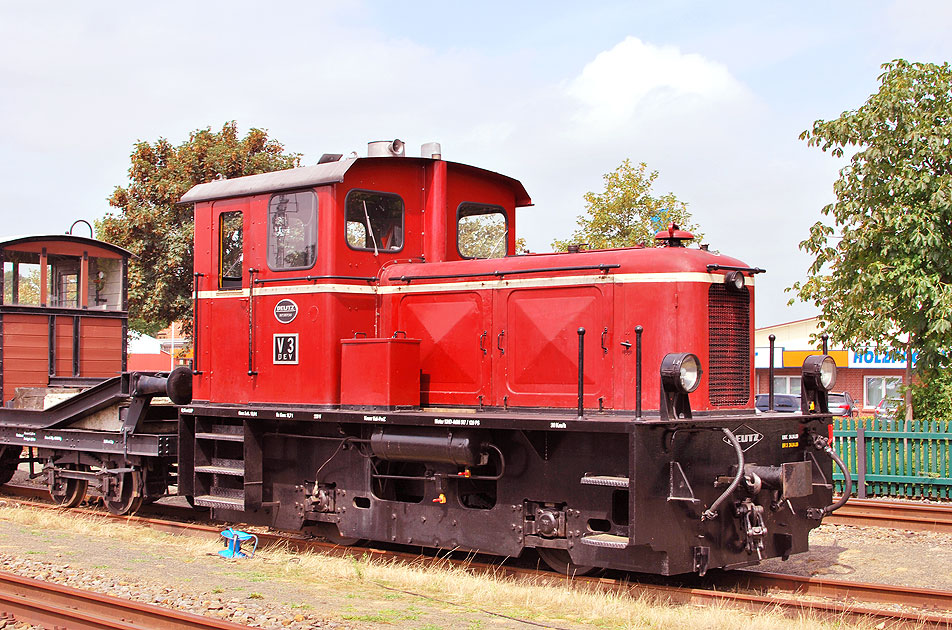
x: 375, y: 592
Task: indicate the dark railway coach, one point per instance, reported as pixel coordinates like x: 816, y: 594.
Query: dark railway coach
x: 373, y: 360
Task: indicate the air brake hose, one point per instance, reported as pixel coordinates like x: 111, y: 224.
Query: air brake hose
x: 822, y: 444
x: 711, y: 512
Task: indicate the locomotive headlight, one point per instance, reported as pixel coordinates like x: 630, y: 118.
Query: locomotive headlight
x: 819, y: 372
x: 734, y: 280
x: 680, y: 372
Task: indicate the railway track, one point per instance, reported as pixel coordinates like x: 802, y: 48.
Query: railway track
x: 750, y: 590
x: 55, y: 606
x: 899, y: 515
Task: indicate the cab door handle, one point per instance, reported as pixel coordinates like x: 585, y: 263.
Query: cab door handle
x: 499, y: 337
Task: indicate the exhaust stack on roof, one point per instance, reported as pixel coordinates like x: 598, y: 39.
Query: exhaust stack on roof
x: 386, y: 148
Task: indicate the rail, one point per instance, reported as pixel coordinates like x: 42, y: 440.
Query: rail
x: 58, y: 606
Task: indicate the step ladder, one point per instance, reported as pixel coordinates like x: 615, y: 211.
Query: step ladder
x: 221, y: 479
x: 606, y: 540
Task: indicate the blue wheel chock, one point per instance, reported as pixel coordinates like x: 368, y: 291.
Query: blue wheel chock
x: 233, y: 540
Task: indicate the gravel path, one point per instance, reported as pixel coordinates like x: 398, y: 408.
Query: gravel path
x: 199, y: 581
x: 203, y: 585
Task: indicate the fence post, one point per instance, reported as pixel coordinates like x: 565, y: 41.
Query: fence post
x: 860, y: 459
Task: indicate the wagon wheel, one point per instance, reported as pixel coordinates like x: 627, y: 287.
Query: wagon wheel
x: 131, y: 496
x: 9, y: 460
x: 69, y: 493
x: 559, y: 561
x: 331, y: 532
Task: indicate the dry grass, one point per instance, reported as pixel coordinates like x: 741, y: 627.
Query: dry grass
x: 448, y: 589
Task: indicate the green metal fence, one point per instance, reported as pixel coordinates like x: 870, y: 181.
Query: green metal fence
x: 887, y: 461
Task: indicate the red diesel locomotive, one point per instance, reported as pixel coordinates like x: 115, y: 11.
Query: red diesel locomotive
x: 373, y: 360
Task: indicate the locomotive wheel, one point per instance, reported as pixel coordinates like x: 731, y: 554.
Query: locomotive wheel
x: 331, y: 532
x: 131, y: 499
x: 559, y: 561
x: 69, y: 493
x: 9, y: 460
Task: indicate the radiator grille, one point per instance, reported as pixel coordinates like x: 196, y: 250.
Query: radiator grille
x: 729, y: 337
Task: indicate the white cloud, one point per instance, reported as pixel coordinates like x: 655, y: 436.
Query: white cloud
x: 636, y: 79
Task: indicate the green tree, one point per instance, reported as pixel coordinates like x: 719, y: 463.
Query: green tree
x: 159, y: 232
x: 627, y: 213
x: 883, y: 273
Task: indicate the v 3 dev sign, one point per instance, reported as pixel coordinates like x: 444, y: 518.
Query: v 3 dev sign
x: 286, y: 349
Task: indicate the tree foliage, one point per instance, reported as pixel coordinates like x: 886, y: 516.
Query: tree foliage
x: 883, y: 272
x: 160, y: 233
x: 627, y: 213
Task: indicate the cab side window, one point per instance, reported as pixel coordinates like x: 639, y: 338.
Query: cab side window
x: 374, y: 221
x: 230, y: 250
x: 482, y: 231
x: 292, y: 231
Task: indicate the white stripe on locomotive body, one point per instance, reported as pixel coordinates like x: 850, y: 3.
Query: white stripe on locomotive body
x: 445, y: 287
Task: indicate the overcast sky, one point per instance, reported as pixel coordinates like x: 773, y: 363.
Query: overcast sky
x: 555, y: 94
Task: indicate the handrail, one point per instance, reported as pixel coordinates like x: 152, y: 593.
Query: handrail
x: 500, y: 273
x: 251, y: 321
x: 751, y: 270
x: 311, y: 278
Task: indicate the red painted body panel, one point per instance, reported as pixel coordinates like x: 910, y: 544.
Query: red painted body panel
x: 532, y: 341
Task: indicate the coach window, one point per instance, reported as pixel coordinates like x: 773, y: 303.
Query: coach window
x: 64, y: 281
x: 22, y: 277
x: 374, y: 221
x: 230, y: 252
x: 105, y: 284
x: 481, y: 231
x: 292, y: 232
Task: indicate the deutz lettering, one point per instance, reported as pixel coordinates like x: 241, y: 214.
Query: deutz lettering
x: 745, y: 436
x: 748, y: 438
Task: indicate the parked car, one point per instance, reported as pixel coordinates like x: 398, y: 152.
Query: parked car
x: 842, y: 404
x: 788, y: 403
x: 889, y: 408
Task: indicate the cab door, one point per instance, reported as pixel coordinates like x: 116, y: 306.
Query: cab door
x: 224, y: 308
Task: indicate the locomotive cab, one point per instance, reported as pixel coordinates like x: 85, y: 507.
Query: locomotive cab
x: 290, y: 261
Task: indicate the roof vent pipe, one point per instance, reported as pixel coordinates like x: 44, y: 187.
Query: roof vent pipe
x: 432, y: 150
x: 385, y: 148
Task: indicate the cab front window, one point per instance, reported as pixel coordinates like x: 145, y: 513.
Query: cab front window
x: 374, y: 221
x: 292, y: 231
